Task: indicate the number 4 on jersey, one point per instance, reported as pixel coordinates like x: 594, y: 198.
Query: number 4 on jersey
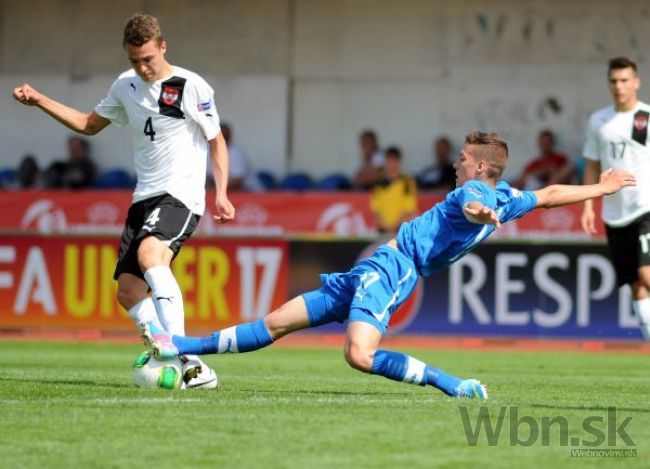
x: 148, y: 128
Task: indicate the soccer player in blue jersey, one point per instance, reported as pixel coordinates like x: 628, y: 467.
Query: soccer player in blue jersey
x: 373, y: 289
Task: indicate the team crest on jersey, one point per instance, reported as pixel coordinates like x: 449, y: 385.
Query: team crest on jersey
x: 640, y: 122
x: 640, y: 127
x: 170, y: 95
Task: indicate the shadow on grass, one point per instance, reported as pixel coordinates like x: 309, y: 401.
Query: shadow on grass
x: 324, y: 392
x: 72, y: 382
x: 594, y: 408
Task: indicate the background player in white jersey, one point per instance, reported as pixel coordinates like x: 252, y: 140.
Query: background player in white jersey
x: 617, y: 137
x: 174, y: 123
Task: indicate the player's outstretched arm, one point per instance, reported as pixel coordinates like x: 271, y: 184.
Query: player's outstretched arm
x: 84, y: 123
x: 611, y: 181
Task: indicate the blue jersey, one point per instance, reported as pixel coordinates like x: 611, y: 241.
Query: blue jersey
x: 441, y: 235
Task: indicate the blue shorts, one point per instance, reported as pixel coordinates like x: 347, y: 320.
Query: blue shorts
x: 370, y: 292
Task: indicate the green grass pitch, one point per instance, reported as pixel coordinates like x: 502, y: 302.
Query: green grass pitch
x: 66, y: 405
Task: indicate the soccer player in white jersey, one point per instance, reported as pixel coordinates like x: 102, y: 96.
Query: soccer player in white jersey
x: 617, y: 137
x: 174, y: 123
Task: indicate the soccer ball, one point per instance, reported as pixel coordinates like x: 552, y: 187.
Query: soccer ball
x: 151, y: 373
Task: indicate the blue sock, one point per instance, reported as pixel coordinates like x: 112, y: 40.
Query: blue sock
x: 401, y: 367
x: 236, y: 339
x: 398, y: 367
x: 441, y: 380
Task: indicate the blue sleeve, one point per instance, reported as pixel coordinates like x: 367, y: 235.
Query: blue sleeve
x: 475, y: 191
x: 520, y: 203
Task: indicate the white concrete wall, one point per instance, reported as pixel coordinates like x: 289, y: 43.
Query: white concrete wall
x: 319, y: 71
x: 417, y: 69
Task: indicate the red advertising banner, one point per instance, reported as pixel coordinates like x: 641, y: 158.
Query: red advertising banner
x: 67, y: 282
x: 344, y: 214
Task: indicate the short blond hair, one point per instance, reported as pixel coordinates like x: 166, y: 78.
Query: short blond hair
x: 140, y: 29
x: 492, y: 148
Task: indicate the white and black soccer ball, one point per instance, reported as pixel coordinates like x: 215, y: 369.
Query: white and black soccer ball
x: 151, y: 373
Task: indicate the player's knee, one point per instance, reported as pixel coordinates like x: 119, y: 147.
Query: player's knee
x: 291, y: 316
x: 275, y: 325
x: 153, y: 252
x: 279, y: 323
x: 359, y: 358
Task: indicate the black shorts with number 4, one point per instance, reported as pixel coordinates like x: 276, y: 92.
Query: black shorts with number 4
x: 629, y: 247
x: 164, y: 217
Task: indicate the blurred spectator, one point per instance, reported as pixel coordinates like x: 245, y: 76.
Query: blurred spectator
x: 7, y: 178
x: 441, y: 175
x: 77, y: 172
x: 297, y: 181
x: 570, y: 173
x: 394, y: 199
x: 28, y: 174
x: 241, y: 177
x: 334, y: 182
x: 550, y: 167
x: 372, y: 161
x: 267, y: 179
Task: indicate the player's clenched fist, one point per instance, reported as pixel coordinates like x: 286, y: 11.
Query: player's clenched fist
x: 27, y: 95
x: 225, y: 211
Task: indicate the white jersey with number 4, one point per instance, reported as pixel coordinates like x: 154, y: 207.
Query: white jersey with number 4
x: 619, y: 140
x: 171, y: 121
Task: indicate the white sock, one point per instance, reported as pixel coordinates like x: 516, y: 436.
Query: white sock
x: 642, y: 308
x: 167, y: 298
x: 145, y: 311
